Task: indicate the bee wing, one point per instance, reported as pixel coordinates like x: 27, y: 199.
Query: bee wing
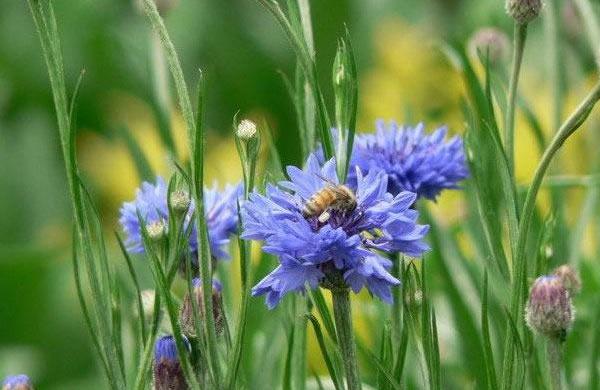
x: 329, y: 182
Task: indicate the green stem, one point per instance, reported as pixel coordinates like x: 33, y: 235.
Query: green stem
x: 520, y: 262
x: 592, y: 27
x: 196, y: 139
x: 342, y: 312
x: 397, y: 305
x: 520, y: 35
x: 554, y: 355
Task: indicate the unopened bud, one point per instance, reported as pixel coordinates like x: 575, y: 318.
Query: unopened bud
x: 17, y: 382
x: 186, y: 317
x: 549, y: 310
x: 490, y: 42
x: 168, y: 374
x: 523, y: 11
x: 156, y: 230
x: 148, y: 301
x: 180, y: 201
x: 246, y: 130
x: 569, y: 278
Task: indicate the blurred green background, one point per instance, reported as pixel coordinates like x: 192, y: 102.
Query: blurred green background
x: 240, y: 48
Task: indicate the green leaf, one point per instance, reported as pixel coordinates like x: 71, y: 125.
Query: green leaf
x: 318, y: 300
x: 488, y: 354
x: 142, y: 166
x: 327, y: 355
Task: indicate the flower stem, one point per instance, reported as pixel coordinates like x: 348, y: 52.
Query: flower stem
x: 342, y: 312
x: 554, y: 355
x: 520, y: 35
x: 397, y: 305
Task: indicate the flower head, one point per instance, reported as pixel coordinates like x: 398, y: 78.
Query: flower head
x: 168, y: 374
x: 334, y: 247
x: 549, y: 310
x: 524, y: 11
x: 151, y: 203
x: 17, y: 382
x: 413, y: 161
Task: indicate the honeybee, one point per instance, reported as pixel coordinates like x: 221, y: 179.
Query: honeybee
x: 332, y: 197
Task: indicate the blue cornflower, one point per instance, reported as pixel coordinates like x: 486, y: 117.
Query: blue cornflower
x: 17, y: 382
x: 168, y: 374
x: 414, y: 161
x: 337, y: 248
x: 151, y: 202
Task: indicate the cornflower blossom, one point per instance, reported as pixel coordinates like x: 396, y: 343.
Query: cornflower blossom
x: 338, y: 248
x: 414, y: 161
x: 151, y: 203
x: 17, y: 382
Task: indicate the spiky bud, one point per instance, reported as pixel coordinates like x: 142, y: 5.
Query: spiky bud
x: 168, y: 374
x: 186, y: 316
x: 524, y: 11
x: 569, y: 278
x: 180, y: 201
x: 157, y: 231
x: 246, y: 130
x: 549, y: 310
x: 490, y: 42
x: 17, y: 382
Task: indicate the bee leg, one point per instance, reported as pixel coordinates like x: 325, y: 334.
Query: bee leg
x: 324, y: 217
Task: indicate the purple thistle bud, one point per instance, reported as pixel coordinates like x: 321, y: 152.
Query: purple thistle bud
x: 549, y: 310
x: 490, y: 42
x: 523, y: 11
x: 17, y: 382
x: 186, y: 316
x: 569, y: 278
x: 168, y: 374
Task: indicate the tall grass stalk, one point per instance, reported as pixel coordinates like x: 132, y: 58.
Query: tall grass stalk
x: 519, y: 38
x: 196, y: 146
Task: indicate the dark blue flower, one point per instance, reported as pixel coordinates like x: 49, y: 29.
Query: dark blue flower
x: 151, y: 203
x: 17, y: 382
x: 414, y: 161
x: 339, y: 250
x: 168, y: 374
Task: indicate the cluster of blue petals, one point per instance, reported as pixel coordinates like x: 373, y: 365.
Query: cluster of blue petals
x: 151, y: 203
x: 165, y: 349
x: 16, y: 382
x: 348, y: 243
x: 413, y: 160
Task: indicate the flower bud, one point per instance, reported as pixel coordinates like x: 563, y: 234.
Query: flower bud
x: 168, y: 374
x: 180, y: 201
x: 17, y: 382
x: 148, y: 300
x: 186, y: 316
x: 523, y: 11
x: 490, y: 42
x: 246, y: 130
x: 569, y: 278
x: 157, y: 231
x: 549, y: 310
